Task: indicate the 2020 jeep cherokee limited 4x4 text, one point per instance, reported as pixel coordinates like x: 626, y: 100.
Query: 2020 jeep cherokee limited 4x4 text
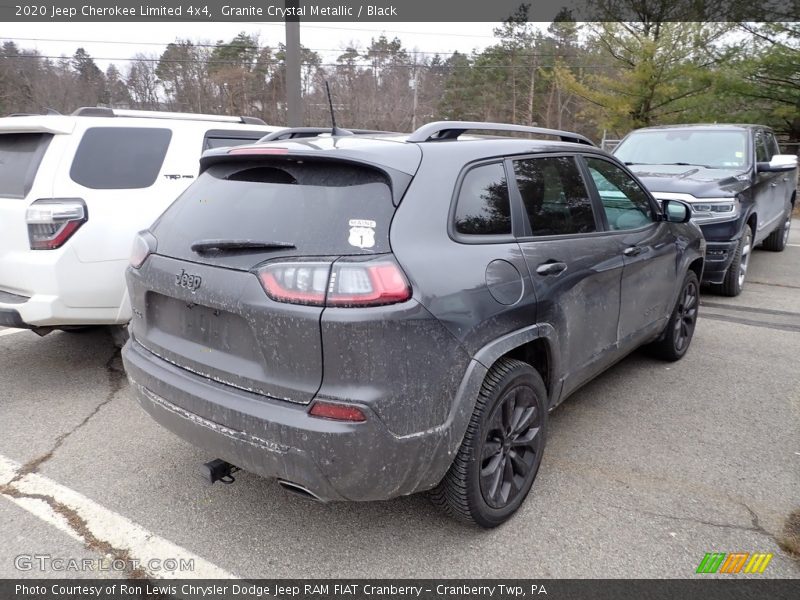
x: 367, y: 316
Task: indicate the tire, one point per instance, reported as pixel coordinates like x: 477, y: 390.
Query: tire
x: 119, y: 334
x: 777, y: 240
x: 734, y: 279
x: 677, y: 335
x: 502, y: 449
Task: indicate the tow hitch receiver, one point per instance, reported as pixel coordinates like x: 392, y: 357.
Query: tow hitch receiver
x: 218, y: 470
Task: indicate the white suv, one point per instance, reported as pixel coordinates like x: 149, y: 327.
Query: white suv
x: 75, y: 189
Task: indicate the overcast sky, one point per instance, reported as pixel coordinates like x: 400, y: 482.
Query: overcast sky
x: 150, y: 38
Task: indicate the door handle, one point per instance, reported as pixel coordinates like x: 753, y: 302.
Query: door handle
x: 551, y: 268
x: 633, y: 251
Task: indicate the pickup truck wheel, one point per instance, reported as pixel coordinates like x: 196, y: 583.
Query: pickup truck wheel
x: 677, y: 336
x: 734, y: 278
x: 502, y: 448
x: 777, y: 240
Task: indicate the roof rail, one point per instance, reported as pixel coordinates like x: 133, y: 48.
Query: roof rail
x: 450, y: 130
x: 47, y: 111
x: 291, y: 133
x: 101, y: 111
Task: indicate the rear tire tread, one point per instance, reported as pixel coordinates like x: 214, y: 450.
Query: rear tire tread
x: 776, y: 241
x: 451, y: 493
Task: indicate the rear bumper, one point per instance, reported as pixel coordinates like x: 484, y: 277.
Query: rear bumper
x: 53, y: 288
x: 50, y: 311
x: 719, y: 256
x: 333, y: 460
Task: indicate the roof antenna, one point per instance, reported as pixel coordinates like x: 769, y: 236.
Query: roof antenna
x: 335, y: 131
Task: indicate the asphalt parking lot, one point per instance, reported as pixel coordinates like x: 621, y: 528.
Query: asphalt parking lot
x: 646, y: 469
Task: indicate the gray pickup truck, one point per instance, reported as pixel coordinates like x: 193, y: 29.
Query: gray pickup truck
x: 741, y: 189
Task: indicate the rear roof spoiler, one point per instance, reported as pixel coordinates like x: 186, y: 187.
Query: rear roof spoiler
x: 451, y: 130
x: 36, y: 124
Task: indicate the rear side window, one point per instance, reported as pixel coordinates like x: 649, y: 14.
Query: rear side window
x: 554, y: 196
x: 20, y: 156
x: 220, y: 138
x: 483, y: 207
x: 117, y: 158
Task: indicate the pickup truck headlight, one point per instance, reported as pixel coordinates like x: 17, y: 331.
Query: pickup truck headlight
x: 706, y: 210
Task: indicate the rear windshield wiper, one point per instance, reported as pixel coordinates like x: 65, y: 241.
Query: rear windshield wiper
x: 203, y: 246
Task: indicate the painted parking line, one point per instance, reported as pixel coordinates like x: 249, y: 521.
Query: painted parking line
x: 58, y: 505
x: 11, y: 331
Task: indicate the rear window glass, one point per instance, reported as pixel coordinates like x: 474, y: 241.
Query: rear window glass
x: 322, y: 208
x: 117, y: 158
x: 483, y: 207
x: 20, y: 155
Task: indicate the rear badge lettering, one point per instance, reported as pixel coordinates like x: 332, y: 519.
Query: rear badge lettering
x: 362, y: 233
x: 188, y: 281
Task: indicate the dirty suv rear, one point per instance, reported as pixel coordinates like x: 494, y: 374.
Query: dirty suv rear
x: 304, y: 311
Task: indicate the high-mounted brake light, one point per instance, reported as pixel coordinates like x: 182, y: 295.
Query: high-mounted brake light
x: 51, y: 222
x: 246, y: 150
x: 337, y: 412
x: 344, y: 283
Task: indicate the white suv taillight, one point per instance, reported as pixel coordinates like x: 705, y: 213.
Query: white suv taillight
x: 51, y: 222
x: 344, y: 283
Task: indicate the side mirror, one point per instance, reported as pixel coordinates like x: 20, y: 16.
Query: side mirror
x: 779, y: 162
x: 676, y: 211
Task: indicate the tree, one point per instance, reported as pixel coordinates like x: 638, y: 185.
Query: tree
x: 118, y: 94
x: 90, y: 78
x: 763, y: 85
x: 143, y: 83
x: 657, y: 70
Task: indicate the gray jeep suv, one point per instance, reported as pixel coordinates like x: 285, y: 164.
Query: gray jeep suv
x: 367, y: 316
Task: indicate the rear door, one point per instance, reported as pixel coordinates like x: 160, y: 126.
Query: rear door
x: 648, y: 248
x: 785, y: 180
x: 767, y: 190
x: 576, y: 269
x: 205, y: 309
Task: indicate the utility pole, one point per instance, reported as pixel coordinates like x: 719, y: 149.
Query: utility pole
x: 416, y: 96
x: 294, y: 99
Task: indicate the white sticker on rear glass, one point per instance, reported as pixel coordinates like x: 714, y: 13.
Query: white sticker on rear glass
x: 362, y: 233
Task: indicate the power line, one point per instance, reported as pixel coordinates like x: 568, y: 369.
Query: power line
x: 436, y: 33
x: 239, y: 63
x: 228, y: 44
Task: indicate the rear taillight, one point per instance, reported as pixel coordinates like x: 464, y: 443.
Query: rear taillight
x: 51, y: 222
x: 337, y: 412
x: 343, y: 283
x: 144, y: 244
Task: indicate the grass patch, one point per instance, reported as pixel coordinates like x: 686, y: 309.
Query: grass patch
x: 790, y: 539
